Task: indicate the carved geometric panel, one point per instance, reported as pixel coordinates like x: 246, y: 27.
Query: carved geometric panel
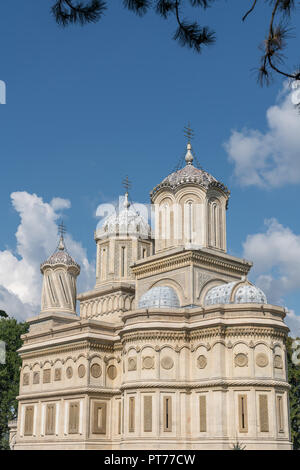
x: 81, y: 371
x: 46, y: 376
x: 36, y: 377
x: 96, y: 371
x: 57, y: 374
x: 167, y: 363
x: 278, y: 363
x: 26, y: 378
x: 28, y: 427
x: 112, y: 372
x: 263, y: 413
x: 69, y: 372
x: 132, y: 363
x: 262, y: 360
x: 201, y: 362
x: 147, y: 413
x: 99, y: 418
x: 241, y: 360
x: 148, y: 362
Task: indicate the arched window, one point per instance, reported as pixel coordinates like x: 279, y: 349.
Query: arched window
x: 214, y: 224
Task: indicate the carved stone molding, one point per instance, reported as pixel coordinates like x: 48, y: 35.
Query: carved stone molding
x: 167, y: 363
x: 201, y: 362
x: 112, y: 372
x: 96, y: 370
x: 148, y: 362
x: 241, y: 360
x: 81, y: 371
x: 262, y: 360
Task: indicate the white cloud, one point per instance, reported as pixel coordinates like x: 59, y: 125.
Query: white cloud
x: 271, y: 158
x: 276, y: 257
x: 20, y: 278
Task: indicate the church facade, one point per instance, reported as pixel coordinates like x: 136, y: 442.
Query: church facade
x: 173, y: 349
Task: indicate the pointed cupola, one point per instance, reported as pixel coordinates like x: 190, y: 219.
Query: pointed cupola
x: 60, y: 272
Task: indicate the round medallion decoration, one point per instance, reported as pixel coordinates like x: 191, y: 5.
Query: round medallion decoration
x: 278, y: 364
x: 167, y: 363
x: 241, y: 360
x: 201, y: 362
x: 81, y: 371
x: 96, y: 371
x: 132, y: 363
x: 148, y: 362
x: 262, y: 360
x: 112, y: 372
x: 69, y: 372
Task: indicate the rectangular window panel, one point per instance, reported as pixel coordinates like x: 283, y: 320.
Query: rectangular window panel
x: 119, y: 416
x: 263, y: 413
x: 50, y: 419
x: 29, y: 414
x: 167, y: 414
x: 74, y: 418
x: 280, y: 413
x: 46, y: 376
x: 243, y: 413
x: 147, y: 414
x: 99, y: 418
x: 202, y: 406
x: 131, y: 414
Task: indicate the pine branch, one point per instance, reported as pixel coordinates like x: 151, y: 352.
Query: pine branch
x: 67, y: 12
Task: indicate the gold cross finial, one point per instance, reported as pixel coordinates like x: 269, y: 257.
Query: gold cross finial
x: 188, y: 132
x: 126, y: 183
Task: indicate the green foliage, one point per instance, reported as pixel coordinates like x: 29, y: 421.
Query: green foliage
x: 294, y: 381
x: 10, y: 333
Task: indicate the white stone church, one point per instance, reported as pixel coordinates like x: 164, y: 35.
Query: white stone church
x: 173, y: 349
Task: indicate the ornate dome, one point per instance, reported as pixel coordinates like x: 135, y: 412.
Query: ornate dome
x: 127, y: 221
x: 189, y: 174
x: 60, y: 256
x: 240, y: 292
x: 159, y: 297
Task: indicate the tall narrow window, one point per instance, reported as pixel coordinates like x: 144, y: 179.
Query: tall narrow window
x: 74, y: 418
x: 167, y: 414
x: 131, y: 414
x: 51, y: 289
x: 144, y: 252
x: 103, y: 264
x: 215, y: 223
x: 243, y: 413
x: 29, y: 416
x: 190, y: 222
x: 280, y: 413
x: 119, y: 416
x: 147, y: 413
x: 202, y: 407
x: 99, y: 421
x: 122, y: 261
x: 263, y: 413
x: 63, y: 288
x: 50, y: 419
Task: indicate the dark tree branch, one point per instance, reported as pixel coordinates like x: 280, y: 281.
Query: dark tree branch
x: 250, y: 10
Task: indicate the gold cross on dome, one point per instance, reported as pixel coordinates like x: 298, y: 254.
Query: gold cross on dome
x: 188, y: 132
x: 126, y: 183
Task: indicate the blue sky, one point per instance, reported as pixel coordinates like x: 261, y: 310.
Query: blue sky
x: 88, y: 105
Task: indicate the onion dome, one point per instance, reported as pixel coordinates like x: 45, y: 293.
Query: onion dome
x: 60, y: 257
x: 189, y: 175
x: 127, y: 221
x: 240, y: 292
x: 159, y: 297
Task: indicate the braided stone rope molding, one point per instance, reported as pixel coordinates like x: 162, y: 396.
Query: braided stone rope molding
x: 208, y: 384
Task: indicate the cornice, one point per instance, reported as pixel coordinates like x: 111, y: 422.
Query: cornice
x: 69, y: 391
x: 211, y: 261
